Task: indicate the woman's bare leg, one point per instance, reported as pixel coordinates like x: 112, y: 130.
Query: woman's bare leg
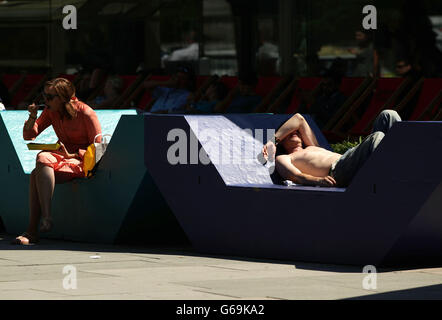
x: 34, y: 210
x: 45, y: 183
x: 34, y: 205
x: 41, y: 189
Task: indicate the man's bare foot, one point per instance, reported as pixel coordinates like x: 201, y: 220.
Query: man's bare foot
x: 25, y: 239
x: 46, y: 224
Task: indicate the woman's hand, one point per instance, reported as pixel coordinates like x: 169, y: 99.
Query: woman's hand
x: 29, y: 124
x: 64, y: 152
x: 32, y: 108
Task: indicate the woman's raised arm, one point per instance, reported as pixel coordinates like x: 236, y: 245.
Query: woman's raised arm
x: 33, y: 126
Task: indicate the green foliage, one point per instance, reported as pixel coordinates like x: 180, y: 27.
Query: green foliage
x: 343, y: 146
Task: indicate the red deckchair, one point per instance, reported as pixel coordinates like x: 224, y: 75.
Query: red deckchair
x: 28, y: 89
x: 230, y: 82
x: 427, y: 103
x: 304, y: 85
x: 12, y: 79
x: 438, y: 116
x: 70, y: 77
x: 384, y: 96
x: 355, y: 89
x: 201, y: 80
x: 130, y: 83
x: 268, y: 88
x: 266, y: 84
x: 350, y: 85
x: 127, y: 82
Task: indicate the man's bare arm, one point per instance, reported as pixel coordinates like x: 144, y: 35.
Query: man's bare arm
x: 288, y: 171
x: 150, y: 85
x: 223, y: 105
x: 295, y: 123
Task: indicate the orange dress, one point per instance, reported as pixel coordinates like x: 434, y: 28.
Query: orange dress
x: 76, y: 134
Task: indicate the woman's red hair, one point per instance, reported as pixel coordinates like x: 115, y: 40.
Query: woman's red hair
x: 66, y: 92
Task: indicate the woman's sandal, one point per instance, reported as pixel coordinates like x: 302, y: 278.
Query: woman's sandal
x: 30, y: 239
x: 46, y: 224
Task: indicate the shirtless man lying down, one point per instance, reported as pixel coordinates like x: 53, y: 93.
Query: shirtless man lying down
x: 304, y: 162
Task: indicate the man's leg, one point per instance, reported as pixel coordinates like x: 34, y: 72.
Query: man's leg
x: 385, y: 120
x: 348, y: 165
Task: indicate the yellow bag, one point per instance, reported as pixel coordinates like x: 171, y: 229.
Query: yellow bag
x: 93, y: 154
x: 89, y: 159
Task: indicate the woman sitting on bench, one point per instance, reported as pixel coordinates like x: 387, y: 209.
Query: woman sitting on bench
x: 76, y: 126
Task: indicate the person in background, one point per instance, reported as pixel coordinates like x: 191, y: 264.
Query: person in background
x: 405, y: 69
x: 171, y: 96
x: 83, y: 89
x: 112, y: 90
x: 215, y: 93
x: 188, y: 53
x: 366, y: 55
x: 92, y: 77
x: 242, y: 99
x: 328, y: 101
x: 89, y: 82
x: 267, y: 55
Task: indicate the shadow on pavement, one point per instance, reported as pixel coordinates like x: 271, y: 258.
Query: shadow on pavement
x: 433, y: 292
x: 49, y: 244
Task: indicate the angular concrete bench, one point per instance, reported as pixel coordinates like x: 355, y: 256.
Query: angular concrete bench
x: 390, y: 214
x: 121, y: 204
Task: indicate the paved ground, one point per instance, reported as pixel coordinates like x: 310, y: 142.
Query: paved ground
x: 116, y: 272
